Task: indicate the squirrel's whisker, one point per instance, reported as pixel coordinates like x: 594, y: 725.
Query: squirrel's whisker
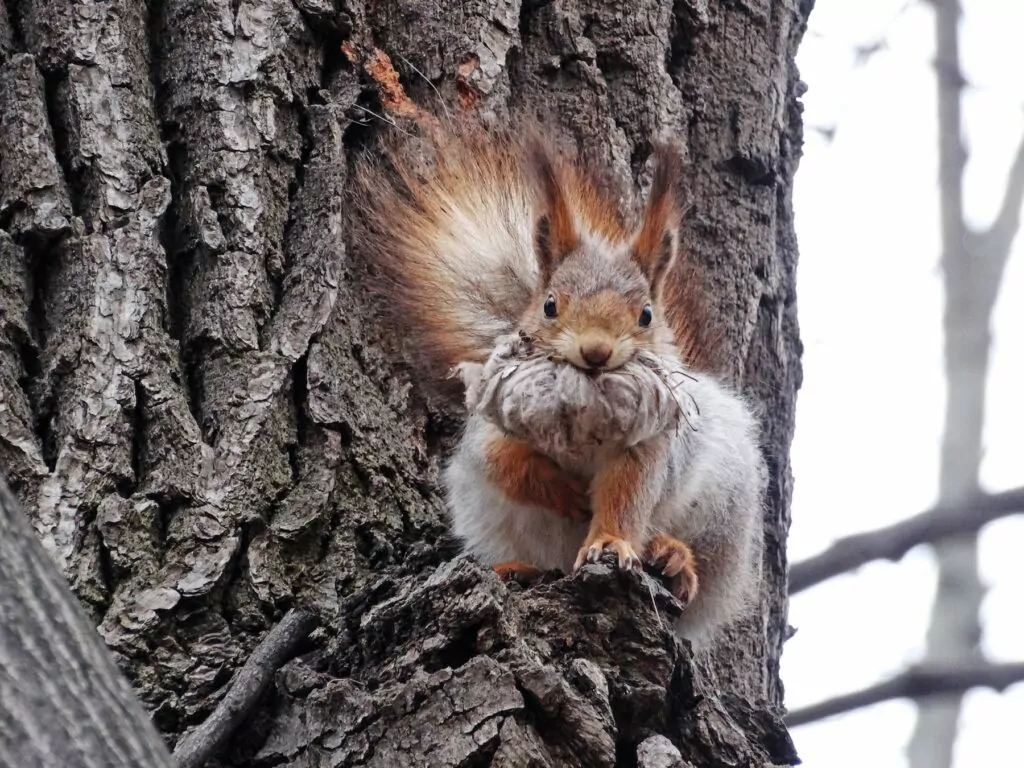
x: 387, y: 120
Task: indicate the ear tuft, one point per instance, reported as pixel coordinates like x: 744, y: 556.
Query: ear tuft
x: 555, y: 233
x: 657, y: 242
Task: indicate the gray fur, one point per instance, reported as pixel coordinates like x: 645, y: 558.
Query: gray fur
x: 706, y: 479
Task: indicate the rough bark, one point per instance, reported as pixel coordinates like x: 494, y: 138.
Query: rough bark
x: 207, y: 426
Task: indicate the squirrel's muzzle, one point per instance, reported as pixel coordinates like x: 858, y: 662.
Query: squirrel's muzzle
x: 595, y: 353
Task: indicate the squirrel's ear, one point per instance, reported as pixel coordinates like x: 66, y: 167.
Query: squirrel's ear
x: 657, y: 243
x: 554, y: 234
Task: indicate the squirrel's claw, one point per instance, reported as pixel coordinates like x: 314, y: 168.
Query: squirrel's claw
x: 676, y: 561
x: 591, y: 552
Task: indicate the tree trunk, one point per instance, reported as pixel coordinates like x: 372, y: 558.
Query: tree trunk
x: 62, y: 700
x: 207, y: 427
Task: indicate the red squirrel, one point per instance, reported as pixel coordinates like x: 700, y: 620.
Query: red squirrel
x: 498, y: 234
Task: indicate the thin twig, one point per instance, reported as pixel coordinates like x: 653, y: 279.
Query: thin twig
x: 915, y: 683
x: 249, y: 684
x: 426, y: 79
x: 895, y: 541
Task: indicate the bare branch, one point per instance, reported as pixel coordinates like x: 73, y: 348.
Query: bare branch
x: 916, y: 683
x: 1000, y: 235
x: 864, y: 52
x: 895, y: 541
x: 202, y: 743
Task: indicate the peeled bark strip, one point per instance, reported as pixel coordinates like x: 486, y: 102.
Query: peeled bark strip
x: 208, y: 423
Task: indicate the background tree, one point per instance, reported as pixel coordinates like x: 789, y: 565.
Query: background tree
x: 207, y: 426
x: 977, y: 107
x: 972, y: 265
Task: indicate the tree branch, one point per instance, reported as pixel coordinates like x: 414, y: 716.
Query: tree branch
x: 895, y: 541
x: 916, y: 683
x: 249, y: 684
x: 1006, y: 224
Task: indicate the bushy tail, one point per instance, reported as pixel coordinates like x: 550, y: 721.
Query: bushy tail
x: 446, y: 225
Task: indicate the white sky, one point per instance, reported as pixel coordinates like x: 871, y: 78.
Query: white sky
x: 869, y: 416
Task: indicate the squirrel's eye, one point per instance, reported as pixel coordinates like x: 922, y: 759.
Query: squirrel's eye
x: 646, y: 315
x: 550, y: 309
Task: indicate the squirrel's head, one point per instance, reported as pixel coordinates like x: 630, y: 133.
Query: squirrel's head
x: 599, y: 298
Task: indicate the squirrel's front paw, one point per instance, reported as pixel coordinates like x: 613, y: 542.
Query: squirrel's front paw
x: 571, y: 500
x: 596, y: 545
x: 677, y: 562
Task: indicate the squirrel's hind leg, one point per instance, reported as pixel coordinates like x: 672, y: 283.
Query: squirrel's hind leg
x: 517, y: 570
x: 677, y: 563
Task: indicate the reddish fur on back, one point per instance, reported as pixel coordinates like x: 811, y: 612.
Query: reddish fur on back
x: 686, y: 314
x: 447, y: 224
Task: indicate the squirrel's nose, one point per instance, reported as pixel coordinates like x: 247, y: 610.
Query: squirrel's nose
x: 597, y: 353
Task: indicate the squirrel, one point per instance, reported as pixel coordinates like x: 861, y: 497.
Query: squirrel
x: 497, y: 234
